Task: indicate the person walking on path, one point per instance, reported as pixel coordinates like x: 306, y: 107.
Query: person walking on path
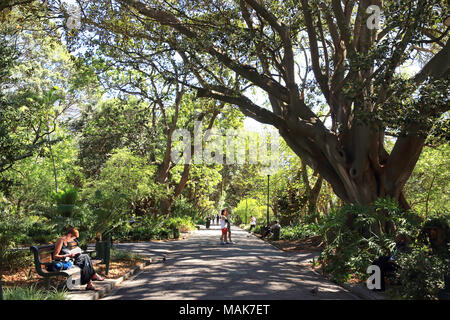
x: 217, y: 218
x: 223, y: 226
x: 252, y: 223
x: 228, y: 225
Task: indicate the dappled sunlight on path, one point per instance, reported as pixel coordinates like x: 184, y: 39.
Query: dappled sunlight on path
x: 201, y: 268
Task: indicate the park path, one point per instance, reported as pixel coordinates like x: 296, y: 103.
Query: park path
x: 199, y: 268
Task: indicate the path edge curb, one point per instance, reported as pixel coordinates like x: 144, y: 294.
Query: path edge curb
x: 102, y: 292
x: 357, y: 291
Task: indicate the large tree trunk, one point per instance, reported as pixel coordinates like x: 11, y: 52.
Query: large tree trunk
x: 361, y: 175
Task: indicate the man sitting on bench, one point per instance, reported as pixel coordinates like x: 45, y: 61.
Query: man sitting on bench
x: 267, y: 230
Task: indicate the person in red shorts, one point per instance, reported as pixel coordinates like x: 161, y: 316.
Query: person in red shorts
x: 224, y: 222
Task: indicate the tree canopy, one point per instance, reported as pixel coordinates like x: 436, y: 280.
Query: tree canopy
x: 334, y: 86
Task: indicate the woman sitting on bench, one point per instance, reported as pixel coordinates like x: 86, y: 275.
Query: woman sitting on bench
x: 83, y: 261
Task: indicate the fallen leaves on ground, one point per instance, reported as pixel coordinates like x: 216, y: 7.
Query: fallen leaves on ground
x: 307, y: 244
x: 117, y: 268
x: 28, y: 276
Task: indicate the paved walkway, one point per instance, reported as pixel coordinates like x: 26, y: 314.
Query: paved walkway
x: 201, y: 268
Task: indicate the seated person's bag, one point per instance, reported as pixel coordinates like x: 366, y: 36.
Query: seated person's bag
x: 59, y: 265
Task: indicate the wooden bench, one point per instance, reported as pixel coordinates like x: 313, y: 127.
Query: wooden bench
x: 43, y: 257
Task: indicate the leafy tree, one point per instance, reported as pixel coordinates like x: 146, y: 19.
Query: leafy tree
x: 127, y: 174
x: 32, y: 181
x: 354, y: 69
x: 40, y: 89
x: 9, y: 4
x: 428, y: 186
x: 254, y: 208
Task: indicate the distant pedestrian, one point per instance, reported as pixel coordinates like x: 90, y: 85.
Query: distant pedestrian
x: 217, y: 218
x: 228, y: 225
x: 252, y: 223
x: 223, y: 226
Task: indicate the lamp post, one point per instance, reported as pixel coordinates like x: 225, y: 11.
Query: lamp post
x: 268, y: 180
x: 246, y: 206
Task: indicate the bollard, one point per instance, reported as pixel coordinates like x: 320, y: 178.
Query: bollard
x: 176, y: 233
x: 100, y: 250
x: 107, y: 253
x: 276, y: 232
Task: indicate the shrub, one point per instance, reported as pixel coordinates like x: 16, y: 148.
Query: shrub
x: 148, y: 228
x: 182, y: 207
x: 32, y: 293
x: 421, y: 273
x: 42, y: 232
x: 184, y: 223
x: 160, y: 233
x: 144, y: 228
x: 200, y: 220
x: 13, y: 232
x: 121, y: 255
x: 352, y: 247
x: 298, y: 232
x: 65, y: 201
x: 257, y: 229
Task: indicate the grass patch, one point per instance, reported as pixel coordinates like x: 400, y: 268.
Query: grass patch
x: 33, y: 293
x: 121, y: 255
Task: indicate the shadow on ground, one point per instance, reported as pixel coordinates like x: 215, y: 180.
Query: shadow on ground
x: 201, y: 268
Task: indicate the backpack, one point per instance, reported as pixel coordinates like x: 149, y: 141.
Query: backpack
x: 59, y: 265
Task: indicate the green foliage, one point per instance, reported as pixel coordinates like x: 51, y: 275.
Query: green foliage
x: 355, y: 238
x: 12, y: 233
x: 65, y: 201
x: 107, y: 162
x: 17, y: 230
x: 43, y: 231
x: 112, y: 125
x: 421, y: 274
x: 33, y: 293
x: 32, y: 182
x: 298, y: 232
x: 122, y: 255
x: 108, y: 212
x: 127, y: 174
x: 255, y: 208
x: 39, y: 92
x: 428, y: 189
x: 200, y: 220
x: 183, y: 207
x: 67, y: 196
x: 148, y: 228
x: 124, y: 181
x: 183, y: 224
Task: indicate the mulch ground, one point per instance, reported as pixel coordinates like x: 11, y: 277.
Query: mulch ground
x: 183, y: 236
x: 27, y: 277
x: 307, y: 244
